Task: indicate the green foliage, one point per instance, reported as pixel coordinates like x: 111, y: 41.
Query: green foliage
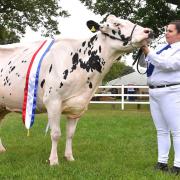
x: 148, y: 13
x: 16, y: 15
x: 118, y: 69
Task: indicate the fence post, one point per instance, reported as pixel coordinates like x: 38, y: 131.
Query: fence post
x: 122, y: 97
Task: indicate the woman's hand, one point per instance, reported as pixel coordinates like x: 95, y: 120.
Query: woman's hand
x: 145, y: 49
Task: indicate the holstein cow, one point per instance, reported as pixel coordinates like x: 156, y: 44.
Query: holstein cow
x: 70, y: 73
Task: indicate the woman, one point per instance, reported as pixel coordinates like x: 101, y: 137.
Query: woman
x: 164, y: 89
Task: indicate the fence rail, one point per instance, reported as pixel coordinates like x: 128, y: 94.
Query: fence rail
x: 124, y: 98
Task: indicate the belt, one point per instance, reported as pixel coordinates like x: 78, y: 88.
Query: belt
x: 162, y: 86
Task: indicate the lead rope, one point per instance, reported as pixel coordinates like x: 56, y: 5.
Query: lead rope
x: 139, y: 56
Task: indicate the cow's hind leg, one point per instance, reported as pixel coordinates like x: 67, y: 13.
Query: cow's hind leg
x: 70, y: 130
x: 54, y: 112
x: 2, y: 114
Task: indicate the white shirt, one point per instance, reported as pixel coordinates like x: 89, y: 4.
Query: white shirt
x: 167, y: 65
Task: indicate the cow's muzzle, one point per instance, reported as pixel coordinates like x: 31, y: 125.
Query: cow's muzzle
x: 150, y: 33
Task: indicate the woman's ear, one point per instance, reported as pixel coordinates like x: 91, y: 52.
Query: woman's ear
x: 93, y: 26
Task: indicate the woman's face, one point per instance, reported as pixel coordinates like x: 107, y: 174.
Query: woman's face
x: 172, y: 35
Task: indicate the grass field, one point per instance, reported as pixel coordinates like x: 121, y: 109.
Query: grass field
x: 108, y: 144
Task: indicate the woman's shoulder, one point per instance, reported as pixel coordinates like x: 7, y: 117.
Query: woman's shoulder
x: 160, y: 46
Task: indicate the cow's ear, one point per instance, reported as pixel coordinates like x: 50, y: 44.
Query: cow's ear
x: 93, y: 26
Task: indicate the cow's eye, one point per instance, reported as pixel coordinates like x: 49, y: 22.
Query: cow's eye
x: 116, y: 24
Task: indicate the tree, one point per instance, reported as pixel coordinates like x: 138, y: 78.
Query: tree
x: 148, y: 13
x: 16, y: 15
x: 118, y: 69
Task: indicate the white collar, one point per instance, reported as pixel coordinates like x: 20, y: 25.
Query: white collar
x: 176, y: 44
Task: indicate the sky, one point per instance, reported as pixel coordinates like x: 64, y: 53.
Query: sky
x: 73, y: 26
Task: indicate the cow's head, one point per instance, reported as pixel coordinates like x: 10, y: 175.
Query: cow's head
x: 126, y: 35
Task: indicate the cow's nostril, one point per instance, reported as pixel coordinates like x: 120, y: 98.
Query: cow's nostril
x: 146, y: 31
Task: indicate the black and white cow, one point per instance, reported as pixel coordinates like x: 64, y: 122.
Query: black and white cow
x: 70, y: 74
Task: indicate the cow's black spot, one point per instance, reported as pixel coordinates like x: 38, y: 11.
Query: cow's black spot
x: 79, y: 50
x: 11, y: 69
x: 65, y: 73
x: 99, y: 49
x: 6, y: 80
x: 94, y: 38
x: 90, y: 85
x: 89, y: 44
x: 50, y: 68
x: 119, y: 33
x: 26, y: 49
x: 50, y: 90
x: 89, y: 52
x: 88, y: 80
x: 84, y: 65
x: 91, y: 41
x: 93, y: 63
x: 18, y: 75
x: 125, y: 43
x: 103, y: 61
x: 113, y: 31
x: 61, y: 84
x: 122, y: 37
x: 83, y: 44
x: 75, y: 61
x: 42, y: 83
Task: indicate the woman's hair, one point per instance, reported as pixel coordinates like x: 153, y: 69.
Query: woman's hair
x: 177, y: 24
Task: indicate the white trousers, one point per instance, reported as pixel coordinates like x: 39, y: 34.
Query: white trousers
x: 165, y: 111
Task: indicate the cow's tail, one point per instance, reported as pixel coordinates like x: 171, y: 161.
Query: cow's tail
x: 47, y: 128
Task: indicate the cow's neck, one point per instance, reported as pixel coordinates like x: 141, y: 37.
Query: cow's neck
x: 102, y: 54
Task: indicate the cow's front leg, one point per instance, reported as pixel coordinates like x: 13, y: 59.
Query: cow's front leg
x: 54, y: 112
x: 70, y: 130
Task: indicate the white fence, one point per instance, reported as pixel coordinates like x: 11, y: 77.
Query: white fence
x: 124, y: 98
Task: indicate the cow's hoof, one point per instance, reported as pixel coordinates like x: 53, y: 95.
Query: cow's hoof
x: 2, y: 149
x: 69, y: 158
x: 53, y: 162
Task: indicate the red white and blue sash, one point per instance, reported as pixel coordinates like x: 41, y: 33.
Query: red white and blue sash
x: 31, y: 85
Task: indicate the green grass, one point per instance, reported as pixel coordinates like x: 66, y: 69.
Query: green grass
x: 108, y: 144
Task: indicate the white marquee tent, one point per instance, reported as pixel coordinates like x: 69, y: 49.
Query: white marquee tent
x: 131, y: 79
